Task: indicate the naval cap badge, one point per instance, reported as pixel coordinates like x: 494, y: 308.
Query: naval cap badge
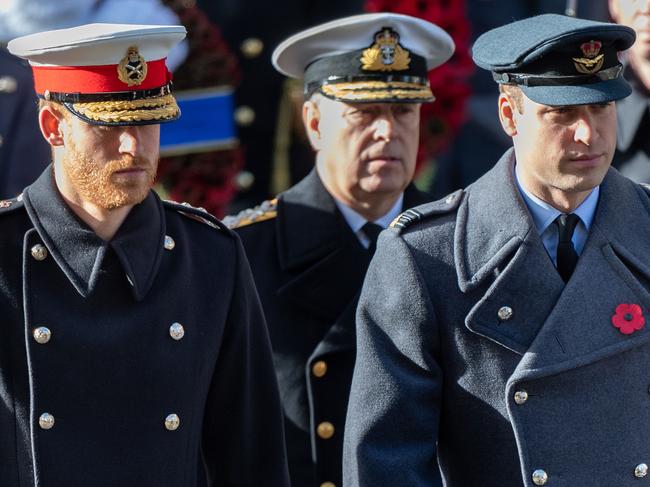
x: 385, y: 54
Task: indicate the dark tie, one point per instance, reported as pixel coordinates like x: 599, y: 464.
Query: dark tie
x: 372, y: 230
x: 567, y: 258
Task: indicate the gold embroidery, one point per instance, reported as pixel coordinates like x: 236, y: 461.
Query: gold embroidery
x: 592, y: 60
x: 148, y: 109
x: 132, y: 69
x: 385, y: 54
x: 372, y: 90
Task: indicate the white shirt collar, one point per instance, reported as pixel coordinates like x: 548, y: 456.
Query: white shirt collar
x: 544, y: 214
x: 355, y: 221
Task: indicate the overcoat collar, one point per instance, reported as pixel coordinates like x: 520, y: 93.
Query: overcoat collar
x: 309, y: 226
x: 613, y: 269
x: 319, y: 249
x: 492, y: 222
x: 552, y: 325
x: 79, y: 252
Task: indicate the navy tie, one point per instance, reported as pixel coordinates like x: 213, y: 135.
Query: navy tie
x: 372, y: 231
x: 567, y: 257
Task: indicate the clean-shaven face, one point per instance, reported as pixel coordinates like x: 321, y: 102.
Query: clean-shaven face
x: 565, y: 148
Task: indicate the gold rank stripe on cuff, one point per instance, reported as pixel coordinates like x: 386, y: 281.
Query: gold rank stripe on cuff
x: 266, y: 211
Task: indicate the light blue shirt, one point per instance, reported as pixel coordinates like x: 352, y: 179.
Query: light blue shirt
x: 544, y: 215
x: 356, y: 221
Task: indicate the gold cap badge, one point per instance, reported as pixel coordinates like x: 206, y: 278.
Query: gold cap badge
x: 132, y: 69
x: 592, y: 60
x: 385, y: 54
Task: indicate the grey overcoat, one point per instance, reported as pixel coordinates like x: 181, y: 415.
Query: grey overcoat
x: 549, y: 386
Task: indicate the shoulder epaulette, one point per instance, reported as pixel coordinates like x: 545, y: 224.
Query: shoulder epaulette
x: 11, y: 204
x: 267, y: 210
x: 412, y: 215
x: 198, y: 214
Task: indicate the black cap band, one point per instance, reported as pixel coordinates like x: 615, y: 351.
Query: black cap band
x: 100, y: 97
x: 347, y: 67
x: 571, y: 80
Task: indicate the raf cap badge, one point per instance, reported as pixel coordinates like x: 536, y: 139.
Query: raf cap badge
x: 385, y: 54
x: 592, y: 60
x: 132, y: 69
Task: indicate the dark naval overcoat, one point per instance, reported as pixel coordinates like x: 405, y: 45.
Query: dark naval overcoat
x: 308, y: 267
x: 139, y: 362
x: 470, y: 337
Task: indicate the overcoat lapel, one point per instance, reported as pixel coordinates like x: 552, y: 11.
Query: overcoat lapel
x: 611, y: 270
x: 342, y: 334
x: 318, y: 247
x: 495, y: 241
x: 316, y: 244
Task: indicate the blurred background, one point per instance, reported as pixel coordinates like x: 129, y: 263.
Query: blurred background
x: 240, y: 140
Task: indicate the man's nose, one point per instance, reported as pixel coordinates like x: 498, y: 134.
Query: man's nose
x: 129, y: 142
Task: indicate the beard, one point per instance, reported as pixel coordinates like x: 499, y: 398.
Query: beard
x: 98, y: 182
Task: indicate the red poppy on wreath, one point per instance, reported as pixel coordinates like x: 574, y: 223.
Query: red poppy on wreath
x: 628, y: 318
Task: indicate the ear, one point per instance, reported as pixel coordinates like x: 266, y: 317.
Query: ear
x: 50, y: 120
x: 507, y: 115
x: 613, y: 10
x: 311, y: 121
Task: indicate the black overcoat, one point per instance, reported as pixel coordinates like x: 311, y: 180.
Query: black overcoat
x: 102, y: 342
x: 308, y: 267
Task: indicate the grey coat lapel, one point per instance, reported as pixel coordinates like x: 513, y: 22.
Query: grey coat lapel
x: 496, y: 245
x: 611, y: 270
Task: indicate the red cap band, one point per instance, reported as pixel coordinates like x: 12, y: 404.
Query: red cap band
x: 95, y: 79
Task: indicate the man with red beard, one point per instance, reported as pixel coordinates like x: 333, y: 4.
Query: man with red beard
x: 133, y: 349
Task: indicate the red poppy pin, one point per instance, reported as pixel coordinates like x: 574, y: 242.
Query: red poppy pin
x: 628, y: 318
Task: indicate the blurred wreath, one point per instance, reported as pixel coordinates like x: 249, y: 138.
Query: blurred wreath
x: 205, y: 179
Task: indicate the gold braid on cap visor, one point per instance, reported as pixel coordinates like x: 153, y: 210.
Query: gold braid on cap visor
x: 146, y: 109
x: 377, y: 91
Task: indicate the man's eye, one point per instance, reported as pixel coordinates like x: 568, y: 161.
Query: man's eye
x: 403, y: 110
x: 361, y: 113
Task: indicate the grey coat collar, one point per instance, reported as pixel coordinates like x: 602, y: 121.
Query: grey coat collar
x: 613, y: 269
x: 552, y: 323
x: 492, y: 223
x: 310, y: 226
x: 319, y: 250
x: 79, y: 252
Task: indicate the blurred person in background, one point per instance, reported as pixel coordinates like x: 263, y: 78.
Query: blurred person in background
x: 23, y: 152
x: 632, y: 156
